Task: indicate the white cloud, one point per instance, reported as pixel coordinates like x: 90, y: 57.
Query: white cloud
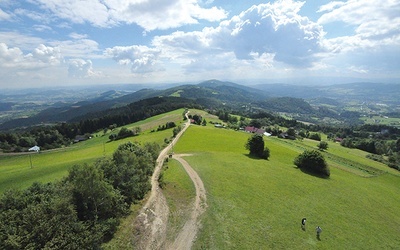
x: 141, y: 58
x: 372, y: 19
x: 42, y: 28
x: 149, y: 14
x: 4, y: 16
x: 91, y: 11
x: 276, y: 30
x: 79, y: 68
x: 376, y: 36
x: 49, y: 55
x: 330, y: 6
x: 41, y: 57
x: 75, y: 35
x: 24, y: 42
x: 10, y: 56
x: 78, y: 48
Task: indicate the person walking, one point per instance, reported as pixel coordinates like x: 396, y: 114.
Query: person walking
x: 303, y: 223
x: 318, y: 230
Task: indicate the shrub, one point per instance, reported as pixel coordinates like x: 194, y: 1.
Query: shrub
x: 255, y: 144
x: 315, y: 136
x: 312, y: 161
x: 323, y: 145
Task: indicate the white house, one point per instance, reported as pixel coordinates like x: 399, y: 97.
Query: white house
x: 35, y: 148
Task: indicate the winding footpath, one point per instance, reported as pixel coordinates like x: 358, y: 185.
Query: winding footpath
x: 151, y: 223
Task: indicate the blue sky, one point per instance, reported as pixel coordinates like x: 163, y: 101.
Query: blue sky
x: 74, y: 42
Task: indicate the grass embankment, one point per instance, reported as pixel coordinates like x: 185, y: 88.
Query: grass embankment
x: 48, y: 166
x: 258, y: 204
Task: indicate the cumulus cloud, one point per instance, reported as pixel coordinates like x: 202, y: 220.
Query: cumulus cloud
x: 79, y: 68
x: 373, y: 20
x: 149, y: 14
x: 9, y: 56
x: 41, y: 57
x: 376, y: 36
x: 273, y: 30
x: 49, y: 55
x: 141, y: 58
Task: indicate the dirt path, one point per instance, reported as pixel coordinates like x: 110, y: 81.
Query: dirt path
x: 151, y: 223
x: 186, y: 236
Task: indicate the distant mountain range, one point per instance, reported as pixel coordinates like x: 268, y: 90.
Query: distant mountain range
x: 214, y: 94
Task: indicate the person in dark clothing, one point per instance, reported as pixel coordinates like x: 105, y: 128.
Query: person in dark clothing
x: 303, y: 223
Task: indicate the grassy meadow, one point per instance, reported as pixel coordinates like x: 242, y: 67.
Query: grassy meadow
x: 47, y: 166
x: 252, y: 203
x: 259, y: 204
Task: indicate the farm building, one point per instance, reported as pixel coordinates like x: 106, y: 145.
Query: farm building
x: 35, y: 148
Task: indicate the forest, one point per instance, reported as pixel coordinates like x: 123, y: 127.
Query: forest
x: 83, y: 209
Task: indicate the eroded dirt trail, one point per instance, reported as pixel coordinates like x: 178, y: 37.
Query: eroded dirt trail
x: 186, y: 236
x: 151, y: 223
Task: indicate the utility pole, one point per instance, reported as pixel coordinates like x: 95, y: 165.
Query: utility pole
x: 30, y: 159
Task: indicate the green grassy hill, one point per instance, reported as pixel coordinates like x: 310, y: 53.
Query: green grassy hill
x: 47, y: 166
x: 252, y: 203
x: 258, y: 204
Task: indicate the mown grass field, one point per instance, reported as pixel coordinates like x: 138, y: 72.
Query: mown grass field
x: 47, y: 166
x: 258, y: 204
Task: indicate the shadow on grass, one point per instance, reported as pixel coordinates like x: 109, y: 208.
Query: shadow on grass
x: 254, y: 157
x: 313, y: 173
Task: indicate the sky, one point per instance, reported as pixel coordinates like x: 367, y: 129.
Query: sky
x: 75, y: 42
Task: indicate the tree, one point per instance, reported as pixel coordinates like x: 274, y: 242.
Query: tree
x: 315, y: 136
x: 312, y: 161
x: 255, y: 144
x: 93, y: 197
x: 124, y: 132
x: 176, y: 130
x: 323, y: 145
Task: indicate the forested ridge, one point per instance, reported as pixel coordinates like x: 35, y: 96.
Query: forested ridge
x: 63, y: 134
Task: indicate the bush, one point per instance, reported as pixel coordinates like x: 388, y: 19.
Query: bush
x: 255, y: 144
x: 312, y: 161
x: 315, y: 137
x: 323, y: 145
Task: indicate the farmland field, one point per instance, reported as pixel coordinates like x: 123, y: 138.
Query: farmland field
x: 258, y: 204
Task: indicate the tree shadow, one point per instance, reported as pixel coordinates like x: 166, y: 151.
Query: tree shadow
x: 313, y: 173
x: 255, y: 157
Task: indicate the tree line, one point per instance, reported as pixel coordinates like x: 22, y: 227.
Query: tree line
x: 82, y: 210
x: 49, y: 137
x: 381, y: 141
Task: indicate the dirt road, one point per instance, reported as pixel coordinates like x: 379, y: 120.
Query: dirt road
x: 151, y: 223
x: 186, y: 236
